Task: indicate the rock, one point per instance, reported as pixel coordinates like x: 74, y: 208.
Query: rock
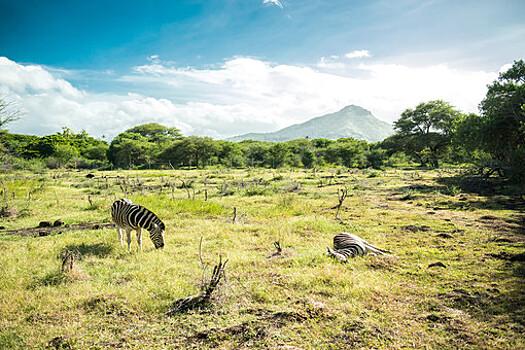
x: 437, y: 264
x: 44, y: 224
x: 518, y: 257
x: 6, y: 212
x: 433, y: 318
x: 507, y: 256
x: 43, y: 233
x: 444, y: 235
x: 90, y: 176
x: 415, y: 228
x: 60, y: 343
x: 58, y: 223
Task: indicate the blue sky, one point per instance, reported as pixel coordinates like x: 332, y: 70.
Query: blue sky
x: 219, y: 67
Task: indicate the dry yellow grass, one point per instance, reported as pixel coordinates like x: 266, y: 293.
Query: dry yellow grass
x: 300, y: 300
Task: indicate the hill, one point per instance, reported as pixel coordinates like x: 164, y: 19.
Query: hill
x: 351, y: 121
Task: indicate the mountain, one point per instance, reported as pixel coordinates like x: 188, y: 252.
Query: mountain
x: 351, y: 121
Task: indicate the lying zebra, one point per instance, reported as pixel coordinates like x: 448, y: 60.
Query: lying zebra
x: 128, y: 216
x: 347, y: 245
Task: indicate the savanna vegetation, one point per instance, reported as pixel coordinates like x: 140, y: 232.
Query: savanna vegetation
x: 454, y: 280
x: 444, y: 194
x: 430, y: 134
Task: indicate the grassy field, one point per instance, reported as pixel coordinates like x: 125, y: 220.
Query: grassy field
x: 300, y: 300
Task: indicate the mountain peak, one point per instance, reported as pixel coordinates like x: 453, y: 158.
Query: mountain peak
x: 351, y: 121
x: 355, y: 108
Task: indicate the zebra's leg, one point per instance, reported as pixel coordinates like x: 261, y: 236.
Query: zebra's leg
x: 119, y: 231
x: 128, y: 234
x: 139, y: 238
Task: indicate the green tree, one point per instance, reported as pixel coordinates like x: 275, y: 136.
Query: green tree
x: 192, y: 151
x: 256, y: 152
x: 141, y: 145
x: 278, y: 154
x: 231, y: 154
x: 155, y: 132
x: 65, y: 153
x: 502, y: 121
x: 130, y: 149
x: 425, y: 132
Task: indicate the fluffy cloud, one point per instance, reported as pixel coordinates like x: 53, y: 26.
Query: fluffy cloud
x: 49, y: 103
x: 358, y: 54
x: 285, y: 94
x: 241, y: 95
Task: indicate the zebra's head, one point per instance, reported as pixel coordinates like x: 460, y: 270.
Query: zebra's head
x: 157, y: 235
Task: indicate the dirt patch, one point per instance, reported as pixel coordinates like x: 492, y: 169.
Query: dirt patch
x: 108, y: 305
x: 507, y: 256
x: 488, y: 218
x: 6, y: 212
x: 416, y: 228
x: 462, y: 297
x: 258, y: 328
x: 47, y: 230
x: 60, y: 343
x: 383, y: 262
x: 444, y: 235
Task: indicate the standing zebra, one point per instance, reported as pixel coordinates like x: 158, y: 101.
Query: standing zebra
x: 128, y: 216
x: 347, y: 245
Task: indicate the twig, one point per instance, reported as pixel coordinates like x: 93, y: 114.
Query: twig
x: 234, y: 215
x: 204, y: 296
x: 341, y: 196
x: 278, y: 250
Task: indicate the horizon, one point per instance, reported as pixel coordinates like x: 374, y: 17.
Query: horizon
x: 224, y: 69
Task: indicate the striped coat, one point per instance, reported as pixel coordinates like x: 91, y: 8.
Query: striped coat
x: 347, y: 245
x: 128, y: 217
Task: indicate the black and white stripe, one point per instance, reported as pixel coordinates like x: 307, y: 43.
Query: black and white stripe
x: 128, y: 216
x: 347, y: 245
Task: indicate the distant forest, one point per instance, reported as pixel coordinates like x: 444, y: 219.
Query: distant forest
x: 430, y: 134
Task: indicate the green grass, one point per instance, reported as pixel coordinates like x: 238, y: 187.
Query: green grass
x: 304, y: 299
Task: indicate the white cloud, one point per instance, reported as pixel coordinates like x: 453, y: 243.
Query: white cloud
x: 242, y: 95
x: 505, y: 68
x: 330, y: 63
x: 277, y: 3
x: 358, y: 54
x: 154, y: 59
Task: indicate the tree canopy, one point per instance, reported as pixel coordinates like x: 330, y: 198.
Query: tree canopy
x: 425, y: 132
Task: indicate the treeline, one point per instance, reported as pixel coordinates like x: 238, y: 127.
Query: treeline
x: 429, y: 134
x: 153, y: 145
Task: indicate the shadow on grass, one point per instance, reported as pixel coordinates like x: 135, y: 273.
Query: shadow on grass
x: 51, y: 279
x: 492, y: 193
x: 500, y: 301
x: 100, y: 250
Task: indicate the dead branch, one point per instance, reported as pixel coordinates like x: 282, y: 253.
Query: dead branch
x: 68, y: 260
x: 234, y: 219
x: 278, y: 250
x: 203, y: 298
x: 9, y: 112
x: 342, y: 193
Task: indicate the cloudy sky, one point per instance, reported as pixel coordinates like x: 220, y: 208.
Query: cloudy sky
x: 223, y: 68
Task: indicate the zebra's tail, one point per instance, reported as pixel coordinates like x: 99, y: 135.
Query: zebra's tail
x: 376, y: 250
x: 335, y: 254
x: 373, y: 249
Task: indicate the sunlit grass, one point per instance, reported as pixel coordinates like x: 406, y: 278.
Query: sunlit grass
x: 303, y: 298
